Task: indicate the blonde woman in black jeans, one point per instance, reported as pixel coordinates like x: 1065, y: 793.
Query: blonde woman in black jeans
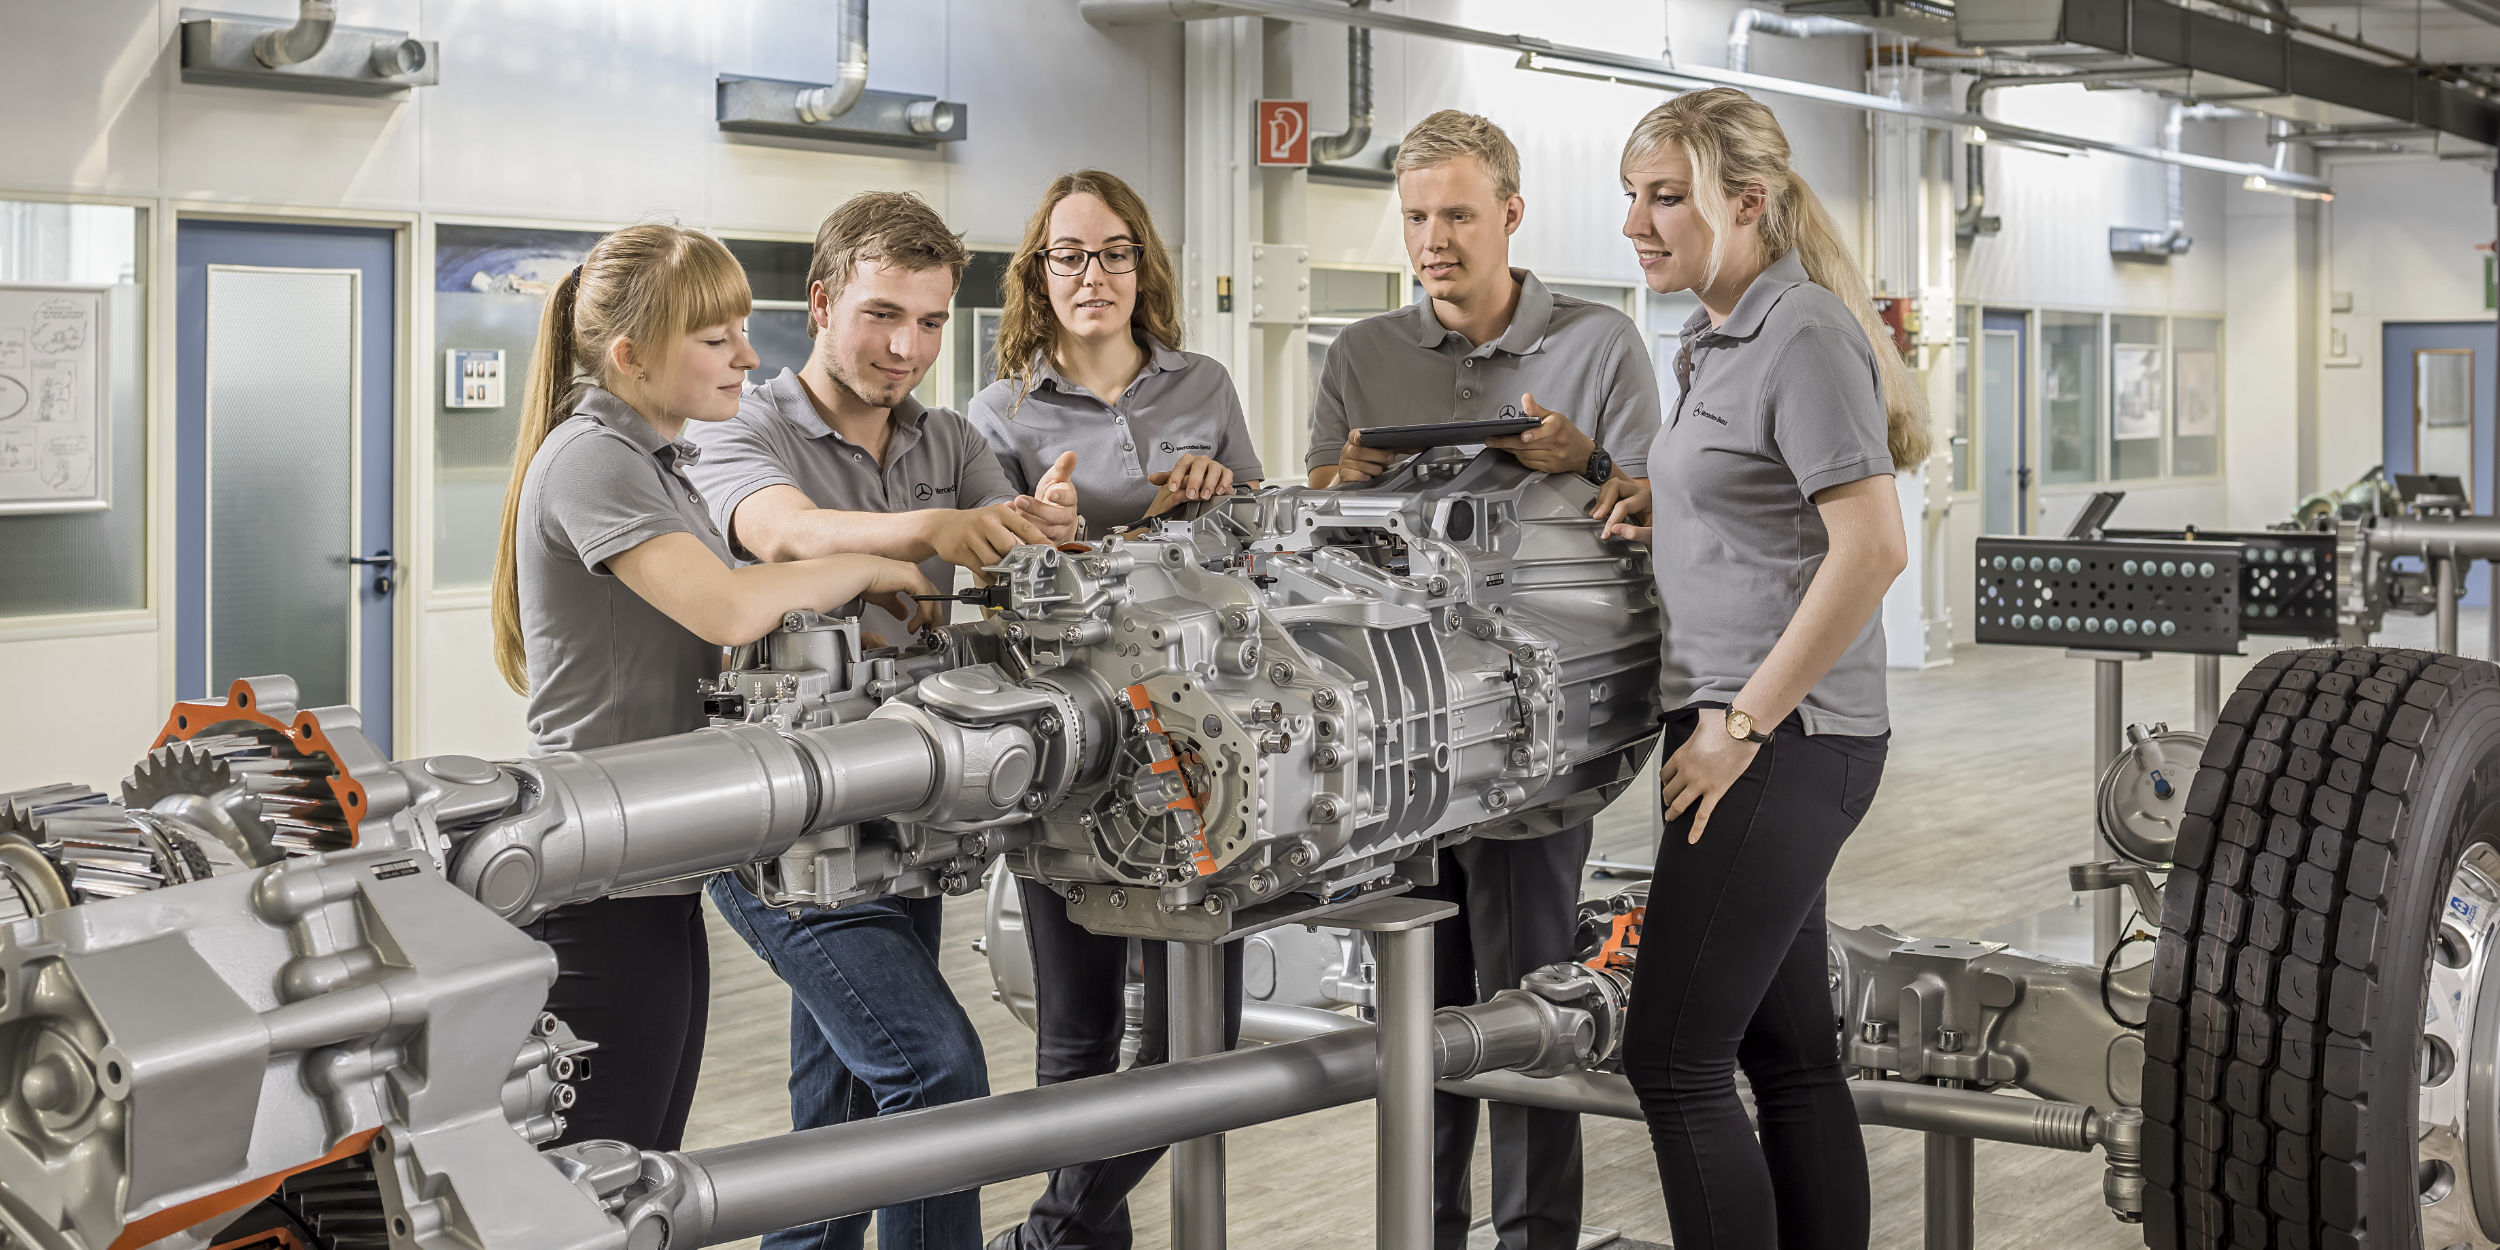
x: 1776, y: 532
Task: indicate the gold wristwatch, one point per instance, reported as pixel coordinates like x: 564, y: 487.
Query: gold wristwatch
x: 1740, y: 727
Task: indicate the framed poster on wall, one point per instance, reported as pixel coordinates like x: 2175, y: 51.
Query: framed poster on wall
x: 55, y: 404
x: 2136, y: 392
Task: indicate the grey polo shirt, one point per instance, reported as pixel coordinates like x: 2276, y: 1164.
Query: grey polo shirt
x: 1779, y: 402
x: 933, y: 459
x: 605, y: 666
x: 1579, y: 358
x: 1181, y: 403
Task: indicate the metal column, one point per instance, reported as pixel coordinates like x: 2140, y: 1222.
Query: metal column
x: 1401, y: 930
x: 2208, y: 692
x: 2444, y: 570
x: 1950, y: 1188
x: 2109, y: 736
x: 1196, y: 1010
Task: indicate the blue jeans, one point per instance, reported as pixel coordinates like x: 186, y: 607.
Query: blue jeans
x: 873, y: 1029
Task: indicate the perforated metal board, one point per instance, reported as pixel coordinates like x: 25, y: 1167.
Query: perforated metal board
x: 2287, y: 578
x: 2132, y: 595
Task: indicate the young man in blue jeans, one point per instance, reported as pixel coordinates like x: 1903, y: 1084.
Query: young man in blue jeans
x: 838, y: 457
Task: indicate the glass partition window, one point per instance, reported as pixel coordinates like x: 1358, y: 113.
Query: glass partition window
x: 777, y: 274
x: 2070, y: 396
x: 490, y: 285
x: 2443, y: 413
x: 2196, y: 396
x: 2139, y: 397
x: 1963, y: 319
x: 93, y: 559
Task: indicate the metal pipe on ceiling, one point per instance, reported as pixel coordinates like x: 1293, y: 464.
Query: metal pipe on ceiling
x: 850, y: 77
x: 1341, y: 144
x: 1547, y: 56
x: 1740, y: 32
x: 301, y: 42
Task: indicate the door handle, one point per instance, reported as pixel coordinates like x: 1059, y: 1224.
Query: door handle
x: 381, y: 562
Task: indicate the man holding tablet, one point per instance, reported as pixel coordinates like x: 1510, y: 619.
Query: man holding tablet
x: 1488, y: 343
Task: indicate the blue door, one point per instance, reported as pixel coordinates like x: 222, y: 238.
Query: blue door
x: 2436, y: 409
x: 286, y: 345
x: 2004, y: 434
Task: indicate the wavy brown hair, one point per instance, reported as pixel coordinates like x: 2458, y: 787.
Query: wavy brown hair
x: 1736, y: 145
x: 645, y: 284
x: 1030, y: 326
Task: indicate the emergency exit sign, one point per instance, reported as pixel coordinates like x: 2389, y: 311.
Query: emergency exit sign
x: 1284, y: 132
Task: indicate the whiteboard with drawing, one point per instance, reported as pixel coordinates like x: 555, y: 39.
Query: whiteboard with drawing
x: 54, y: 399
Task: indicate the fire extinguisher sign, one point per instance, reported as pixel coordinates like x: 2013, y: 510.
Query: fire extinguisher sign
x: 1284, y: 135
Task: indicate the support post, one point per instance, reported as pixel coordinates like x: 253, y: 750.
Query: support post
x: 1401, y: 930
x: 2109, y: 736
x: 1196, y: 1010
x: 2444, y: 571
x: 1950, y: 1187
x: 2208, y: 692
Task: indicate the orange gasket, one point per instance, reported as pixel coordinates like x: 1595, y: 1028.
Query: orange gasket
x: 1204, y: 860
x: 304, y: 735
x: 1622, y: 944
x: 172, y: 1220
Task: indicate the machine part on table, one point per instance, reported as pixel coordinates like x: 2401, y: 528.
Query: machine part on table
x: 2143, y: 793
x: 283, y: 952
x: 2322, y: 1036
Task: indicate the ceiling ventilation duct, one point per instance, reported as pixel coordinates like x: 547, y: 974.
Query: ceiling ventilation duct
x: 1331, y: 151
x: 1740, y: 32
x: 2156, y: 247
x: 2262, y: 67
x: 312, y: 53
x: 844, y: 110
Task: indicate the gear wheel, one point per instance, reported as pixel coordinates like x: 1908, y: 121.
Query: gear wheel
x: 92, y: 847
x: 285, y: 806
x: 337, y: 1207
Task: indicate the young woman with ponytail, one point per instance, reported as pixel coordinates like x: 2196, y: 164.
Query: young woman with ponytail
x: 613, y: 594
x: 1774, y: 529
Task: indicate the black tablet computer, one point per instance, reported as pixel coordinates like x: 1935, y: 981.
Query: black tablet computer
x: 1444, y: 434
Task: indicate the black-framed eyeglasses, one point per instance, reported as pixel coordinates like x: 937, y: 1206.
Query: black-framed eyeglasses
x: 1070, y: 262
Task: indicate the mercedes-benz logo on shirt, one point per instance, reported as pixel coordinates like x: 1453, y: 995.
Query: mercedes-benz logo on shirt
x: 921, y: 491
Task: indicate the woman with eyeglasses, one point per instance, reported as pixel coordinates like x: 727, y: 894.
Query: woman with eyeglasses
x: 1090, y: 365
x: 1095, y: 392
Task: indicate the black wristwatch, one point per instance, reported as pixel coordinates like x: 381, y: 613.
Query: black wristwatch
x: 1601, y: 466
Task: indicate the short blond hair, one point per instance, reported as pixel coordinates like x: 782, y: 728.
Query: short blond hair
x: 1449, y: 134
x: 896, y: 228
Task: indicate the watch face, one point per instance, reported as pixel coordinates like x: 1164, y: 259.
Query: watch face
x: 1739, y: 724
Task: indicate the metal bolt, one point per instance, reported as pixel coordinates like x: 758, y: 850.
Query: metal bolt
x: 1872, y: 1032
x: 1237, y: 621
x: 1076, y: 895
x: 1496, y: 798
x: 1299, y: 856
x: 1324, y: 698
x: 1519, y: 756
x: 1440, y: 586
x: 1281, y: 674
x: 1948, y: 1040
x: 1325, y: 757
x: 1324, y: 810
x: 969, y: 844
x: 1015, y: 632
x: 1050, y: 723
x: 1032, y: 801
x: 1275, y: 742
x: 1119, y: 898
x: 1214, y: 906
x: 1096, y: 568
x: 1261, y: 883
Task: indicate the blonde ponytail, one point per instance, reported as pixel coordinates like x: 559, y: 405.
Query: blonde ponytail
x: 643, y: 284
x: 1735, y: 144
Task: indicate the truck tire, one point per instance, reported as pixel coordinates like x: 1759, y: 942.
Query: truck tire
x: 2320, y: 1027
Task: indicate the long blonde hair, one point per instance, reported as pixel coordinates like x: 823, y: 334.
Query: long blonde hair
x: 1736, y: 145
x: 647, y: 284
x: 1030, y: 327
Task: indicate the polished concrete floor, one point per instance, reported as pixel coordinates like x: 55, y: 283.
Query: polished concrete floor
x: 1985, y: 802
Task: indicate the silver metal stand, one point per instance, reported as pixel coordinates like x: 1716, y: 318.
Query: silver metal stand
x: 1402, y: 937
x: 1951, y: 1183
x: 1197, y: 1023
x: 2109, y: 736
x: 2444, y: 598
x: 2208, y: 692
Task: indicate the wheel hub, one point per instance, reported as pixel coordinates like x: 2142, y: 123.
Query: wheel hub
x: 2457, y: 1160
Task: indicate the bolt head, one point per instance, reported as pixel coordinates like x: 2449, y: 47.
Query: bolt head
x: 1076, y: 895
x: 1213, y: 906
x: 1323, y: 698
x: 1280, y: 673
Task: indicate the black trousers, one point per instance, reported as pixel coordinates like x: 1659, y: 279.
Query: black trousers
x: 1516, y: 901
x: 1732, y: 971
x: 1080, y: 1001
x: 635, y: 976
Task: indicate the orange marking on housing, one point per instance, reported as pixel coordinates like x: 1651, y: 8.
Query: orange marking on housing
x: 199, y: 1211
x: 305, y: 736
x: 1622, y: 943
